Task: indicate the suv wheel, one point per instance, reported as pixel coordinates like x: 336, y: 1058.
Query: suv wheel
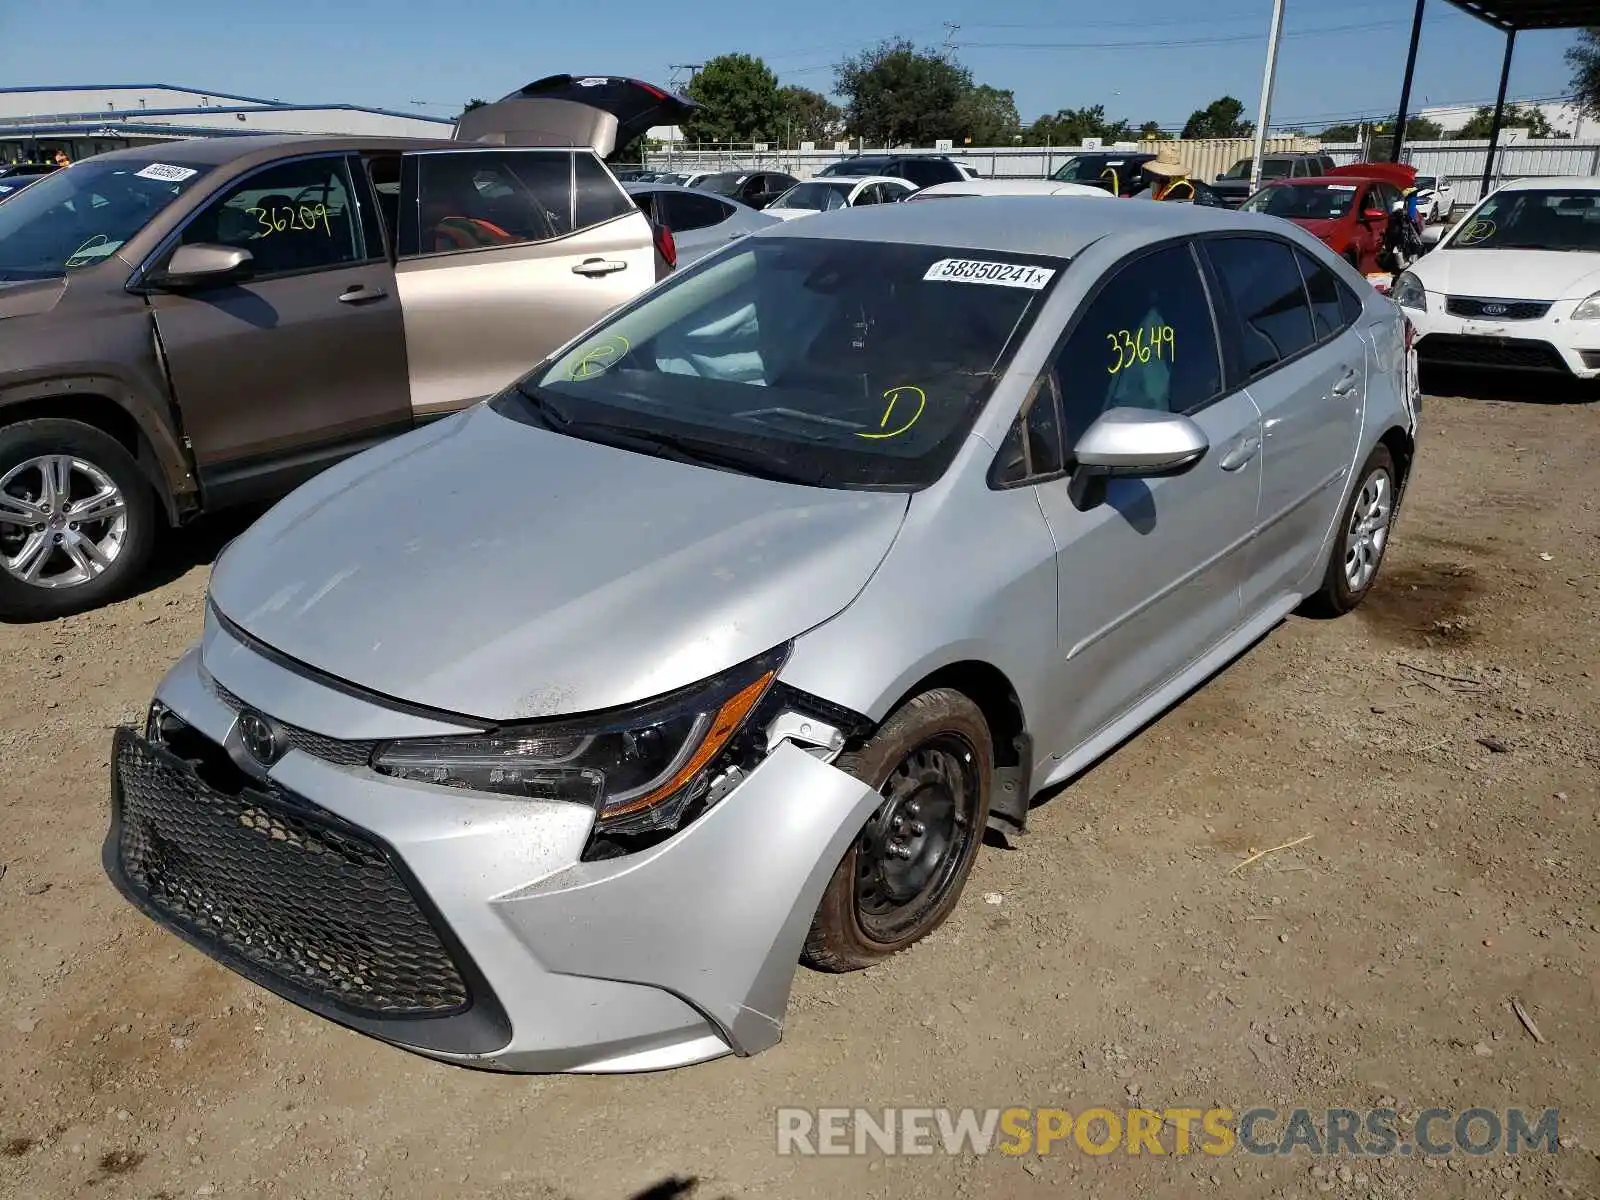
x: 77, y: 519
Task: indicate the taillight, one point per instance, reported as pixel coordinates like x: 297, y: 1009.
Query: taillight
x: 665, y: 246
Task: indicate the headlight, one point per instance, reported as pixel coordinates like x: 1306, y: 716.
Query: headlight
x: 637, y: 767
x: 1587, y: 310
x: 1408, y: 292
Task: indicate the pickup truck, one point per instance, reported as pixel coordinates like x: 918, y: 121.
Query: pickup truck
x: 203, y: 323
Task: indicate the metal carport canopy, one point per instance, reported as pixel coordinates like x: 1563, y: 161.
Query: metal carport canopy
x: 1510, y: 17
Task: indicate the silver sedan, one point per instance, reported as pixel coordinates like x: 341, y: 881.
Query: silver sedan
x: 700, y: 222
x: 551, y: 736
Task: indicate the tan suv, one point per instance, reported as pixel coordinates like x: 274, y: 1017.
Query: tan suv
x: 203, y: 323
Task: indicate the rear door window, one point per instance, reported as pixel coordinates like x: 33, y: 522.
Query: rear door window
x: 293, y: 217
x: 1333, y: 306
x: 484, y: 200
x: 686, y: 211
x: 1271, y: 315
x: 599, y: 198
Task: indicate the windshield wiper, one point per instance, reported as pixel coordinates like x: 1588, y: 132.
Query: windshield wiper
x: 692, y: 450
x: 551, y: 413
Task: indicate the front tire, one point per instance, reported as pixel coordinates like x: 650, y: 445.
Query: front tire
x: 933, y: 762
x: 1360, y: 540
x: 77, y: 519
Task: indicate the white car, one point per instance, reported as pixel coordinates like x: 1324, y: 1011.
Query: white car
x: 1515, y: 283
x: 1435, y: 197
x: 1011, y: 187
x: 845, y: 191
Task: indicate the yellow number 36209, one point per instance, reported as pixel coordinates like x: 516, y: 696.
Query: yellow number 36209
x: 1133, y: 348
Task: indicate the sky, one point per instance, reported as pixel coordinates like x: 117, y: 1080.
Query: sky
x: 1158, y: 60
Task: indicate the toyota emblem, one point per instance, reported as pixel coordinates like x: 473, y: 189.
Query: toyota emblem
x: 259, y: 737
x: 1494, y: 310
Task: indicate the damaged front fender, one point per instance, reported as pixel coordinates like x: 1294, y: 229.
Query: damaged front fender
x: 716, y: 915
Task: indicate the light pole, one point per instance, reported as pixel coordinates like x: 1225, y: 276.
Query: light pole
x: 1267, y: 78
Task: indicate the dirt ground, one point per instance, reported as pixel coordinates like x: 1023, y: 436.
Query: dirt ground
x: 1441, y: 747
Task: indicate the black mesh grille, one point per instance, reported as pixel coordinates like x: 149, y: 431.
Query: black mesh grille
x: 289, y: 890
x: 340, y: 753
x: 1456, y: 350
x: 1496, y: 310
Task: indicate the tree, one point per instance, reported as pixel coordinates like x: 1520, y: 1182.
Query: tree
x: 1152, y: 132
x: 988, y: 116
x: 470, y: 105
x: 1341, y: 133
x: 739, y: 102
x: 1526, y: 116
x: 1584, y: 58
x: 808, y: 116
x: 895, y: 94
x: 1219, y: 119
x: 1070, y: 126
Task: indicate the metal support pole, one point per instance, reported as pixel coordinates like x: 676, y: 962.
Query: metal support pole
x: 1499, y: 112
x: 1405, y: 88
x: 1265, y: 109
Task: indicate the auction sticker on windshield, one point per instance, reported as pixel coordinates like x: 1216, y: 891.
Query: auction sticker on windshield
x: 972, y: 270
x: 166, y: 173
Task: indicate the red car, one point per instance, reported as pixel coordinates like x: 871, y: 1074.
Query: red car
x: 1348, y: 208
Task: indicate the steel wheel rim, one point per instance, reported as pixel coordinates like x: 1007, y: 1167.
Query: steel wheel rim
x: 63, y: 521
x: 1368, y: 531
x: 912, y: 851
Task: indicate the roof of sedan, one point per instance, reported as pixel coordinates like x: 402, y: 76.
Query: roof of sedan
x: 1057, y: 225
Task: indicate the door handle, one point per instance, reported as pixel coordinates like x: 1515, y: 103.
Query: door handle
x: 360, y: 293
x: 1240, y: 453
x: 599, y: 266
x: 1346, y: 384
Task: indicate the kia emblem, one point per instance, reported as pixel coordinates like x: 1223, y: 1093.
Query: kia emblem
x: 259, y: 737
x: 1494, y: 310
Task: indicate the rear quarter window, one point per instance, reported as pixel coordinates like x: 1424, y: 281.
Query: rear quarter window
x: 599, y: 197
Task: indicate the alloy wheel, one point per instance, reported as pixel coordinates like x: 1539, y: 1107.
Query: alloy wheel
x: 63, y: 521
x: 1368, y: 532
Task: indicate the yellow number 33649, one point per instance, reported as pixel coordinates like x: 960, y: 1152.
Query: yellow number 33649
x: 1132, y: 348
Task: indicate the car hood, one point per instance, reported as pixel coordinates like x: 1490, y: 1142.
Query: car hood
x: 497, y: 570
x: 1510, y: 274
x: 1321, y: 227
x: 29, y: 297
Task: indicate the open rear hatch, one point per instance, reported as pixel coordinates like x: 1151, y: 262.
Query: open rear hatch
x: 1402, y: 175
x: 603, y: 112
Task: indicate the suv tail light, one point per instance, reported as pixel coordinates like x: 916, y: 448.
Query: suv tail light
x: 665, y: 245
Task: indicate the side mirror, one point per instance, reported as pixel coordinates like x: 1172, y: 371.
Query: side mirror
x: 1431, y: 235
x: 1222, y: 177
x: 1371, y: 216
x: 1138, y: 442
x: 203, y: 264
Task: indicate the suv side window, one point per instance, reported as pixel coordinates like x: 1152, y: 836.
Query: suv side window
x: 599, y: 199
x: 476, y: 199
x: 292, y: 217
x: 693, y: 210
x: 1272, y: 315
x: 1146, y: 339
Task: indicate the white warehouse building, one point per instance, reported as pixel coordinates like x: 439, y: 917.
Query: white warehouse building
x: 86, y: 119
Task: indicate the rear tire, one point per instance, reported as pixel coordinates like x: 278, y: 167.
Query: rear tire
x: 51, y: 564
x: 1360, y: 539
x: 933, y: 762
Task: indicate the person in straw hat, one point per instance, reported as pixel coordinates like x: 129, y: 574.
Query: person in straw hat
x: 1169, y: 178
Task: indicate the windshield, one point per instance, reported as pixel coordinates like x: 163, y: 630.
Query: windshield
x: 857, y: 166
x: 814, y: 196
x: 826, y: 362
x: 725, y: 184
x: 1321, y: 202
x: 1271, y: 168
x: 75, y: 218
x: 1557, y: 219
x: 1425, y: 183
x: 1082, y: 169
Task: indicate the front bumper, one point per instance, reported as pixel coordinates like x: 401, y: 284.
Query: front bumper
x: 1551, y: 343
x: 473, y: 933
